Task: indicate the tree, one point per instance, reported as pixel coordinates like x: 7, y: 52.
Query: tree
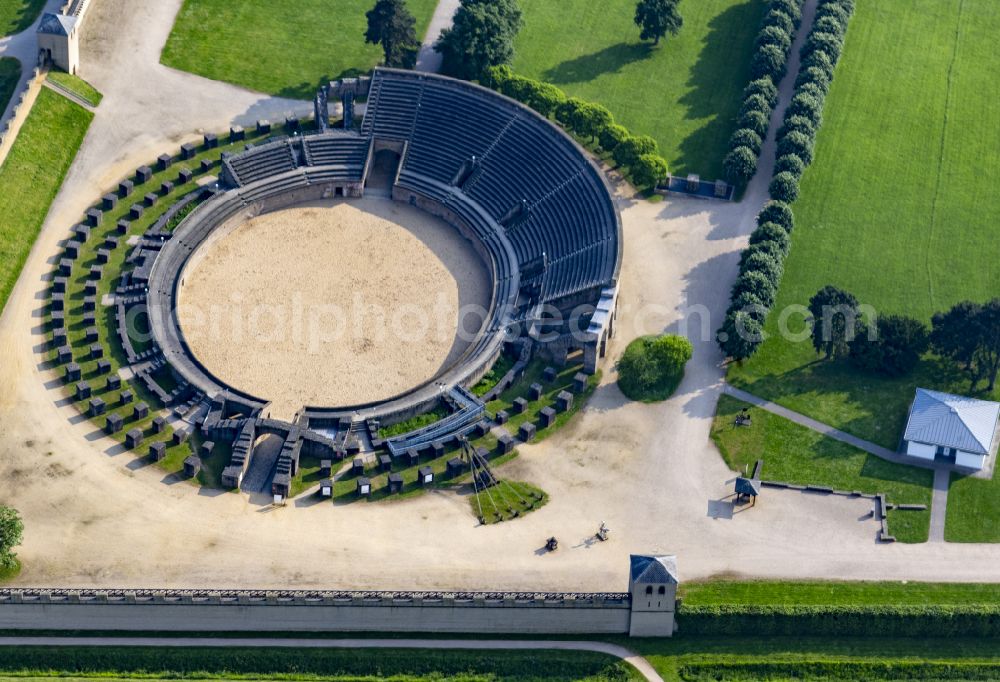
x: 545, y: 98
x: 758, y: 260
x: 391, y: 25
x: 740, y: 334
x: 769, y: 60
x: 797, y: 124
x: 590, y: 119
x: 834, y: 320
x: 781, y: 20
x: 755, y: 102
x: 758, y: 284
x: 481, y: 35
x: 772, y: 35
x: 784, y: 187
x: 986, y: 359
x: 797, y: 143
x: 764, y: 87
x: 815, y: 76
x: 11, y: 530
x: 893, y: 349
x: 652, y: 366
x: 790, y: 163
x: 954, y: 335
x: 831, y: 43
x: 612, y: 136
x: 771, y: 233
x: 744, y: 137
x: 777, y: 212
x: 806, y: 105
x: 631, y: 148
x: 566, y: 111
x: 649, y: 170
x: 656, y: 18
x: 756, y: 121
x: 740, y: 164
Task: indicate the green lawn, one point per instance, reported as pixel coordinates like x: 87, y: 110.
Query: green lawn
x: 780, y: 659
x: 31, y: 176
x: 17, y: 15
x: 833, y: 593
x: 77, y: 86
x: 685, y: 92
x: 899, y: 207
x: 795, y: 454
x: 400, y: 665
x: 275, y: 47
x: 973, y: 510
x: 10, y: 73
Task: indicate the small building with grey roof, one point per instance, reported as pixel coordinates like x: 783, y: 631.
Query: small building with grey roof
x: 951, y: 429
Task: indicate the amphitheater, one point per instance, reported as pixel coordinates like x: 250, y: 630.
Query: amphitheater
x: 524, y: 218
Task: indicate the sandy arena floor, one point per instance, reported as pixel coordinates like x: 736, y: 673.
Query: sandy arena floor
x: 361, y: 305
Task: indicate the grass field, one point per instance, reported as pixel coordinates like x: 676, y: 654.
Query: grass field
x: 685, y: 92
x: 795, y: 454
x: 828, y: 593
x: 77, y: 86
x: 10, y: 73
x: 277, y: 48
x: 401, y: 665
x: 898, y: 207
x: 973, y: 509
x: 17, y: 15
x: 31, y: 175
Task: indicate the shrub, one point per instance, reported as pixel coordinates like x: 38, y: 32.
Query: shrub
x: 772, y: 35
x: 649, y: 170
x: 790, y: 163
x: 830, y: 43
x: 807, y: 106
x: 755, y: 103
x: 612, y: 136
x: 740, y: 164
x: 775, y: 250
x: 631, y: 148
x: 838, y: 13
x: 784, y: 187
x: 895, y: 347
x: 496, y: 76
x: 545, y: 98
x: 793, y: 8
x: 744, y: 137
x: 768, y: 61
x: 780, y: 20
x: 756, y: 260
x: 590, y: 119
x: 771, y: 233
x: 819, y: 60
x: 762, y: 86
x: 758, y: 284
x: 829, y: 24
x: 740, y: 334
x: 756, y: 121
x: 811, y: 89
x: 777, y: 212
x: 797, y: 143
x: 797, y: 123
x: 566, y: 112
x: 750, y: 304
x: 815, y: 76
x: 652, y: 367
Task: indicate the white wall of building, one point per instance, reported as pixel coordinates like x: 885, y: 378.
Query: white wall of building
x: 921, y: 450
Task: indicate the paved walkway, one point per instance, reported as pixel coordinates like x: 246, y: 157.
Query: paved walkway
x: 627, y: 655
x: 428, y: 60
x: 939, y: 504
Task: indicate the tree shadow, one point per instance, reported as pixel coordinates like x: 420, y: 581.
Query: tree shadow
x: 587, y: 67
x: 715, y: 82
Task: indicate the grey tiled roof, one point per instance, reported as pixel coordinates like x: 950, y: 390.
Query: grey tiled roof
x: 653, y: 569
x: 56, y: 24
x: 952, y: 421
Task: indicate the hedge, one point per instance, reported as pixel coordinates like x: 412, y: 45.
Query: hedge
x: 773, y: 42
x: 588, y: 120
x: 795, y: 141
x: 979, y: 620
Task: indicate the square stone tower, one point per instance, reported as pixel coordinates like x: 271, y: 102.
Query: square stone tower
x: 653, y: 588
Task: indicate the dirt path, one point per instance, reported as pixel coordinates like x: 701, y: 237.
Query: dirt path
x: 620, y: 652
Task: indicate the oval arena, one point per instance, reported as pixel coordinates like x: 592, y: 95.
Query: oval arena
x: 448, y: 194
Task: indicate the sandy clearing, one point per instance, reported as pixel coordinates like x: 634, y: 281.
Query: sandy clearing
x: 332, y: 303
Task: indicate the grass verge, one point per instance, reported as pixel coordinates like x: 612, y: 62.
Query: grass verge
x: 31, y: 176
x: 79, y: 87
